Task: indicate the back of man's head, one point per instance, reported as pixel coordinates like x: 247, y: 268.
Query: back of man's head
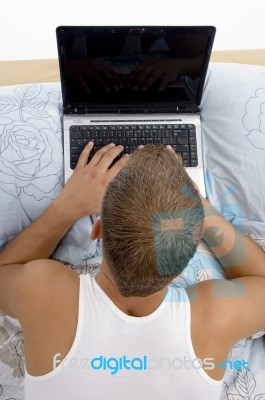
x: 152, y: 219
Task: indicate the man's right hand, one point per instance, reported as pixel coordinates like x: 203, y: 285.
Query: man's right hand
x: 84, y: 191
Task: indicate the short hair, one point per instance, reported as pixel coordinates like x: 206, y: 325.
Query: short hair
x: 152, y: 220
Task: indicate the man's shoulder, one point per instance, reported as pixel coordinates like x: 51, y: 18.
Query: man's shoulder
x: 211, y: 318
x: 212, y: 307
x: 211, y: 298
x: 49, y: 312
x: 228, y: 310
x: 48, y: 285
x: 43, y: 275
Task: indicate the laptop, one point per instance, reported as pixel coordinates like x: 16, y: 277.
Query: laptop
x: 132, y: 86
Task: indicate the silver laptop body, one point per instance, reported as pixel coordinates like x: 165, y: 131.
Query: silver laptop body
x: 134, y: 85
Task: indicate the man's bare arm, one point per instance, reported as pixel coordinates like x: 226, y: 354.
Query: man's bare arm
x: 81, y: 196
x: 231, y: 309
x: 236, y: 252
x: 20, y: 275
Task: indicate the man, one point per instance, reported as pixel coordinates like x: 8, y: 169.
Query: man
x: 127, y: 332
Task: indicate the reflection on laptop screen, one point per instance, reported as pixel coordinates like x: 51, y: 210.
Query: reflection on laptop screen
x: 121, y: 66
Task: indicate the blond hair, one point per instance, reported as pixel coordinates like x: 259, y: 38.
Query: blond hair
x: 152, y: 219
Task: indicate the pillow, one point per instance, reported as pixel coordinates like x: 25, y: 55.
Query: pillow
x: 31, y: 165
x: 233, y: 135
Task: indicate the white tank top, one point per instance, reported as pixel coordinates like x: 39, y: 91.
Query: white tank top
x: 116, y: 356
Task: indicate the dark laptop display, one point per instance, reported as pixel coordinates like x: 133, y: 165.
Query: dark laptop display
x: 133, y: 69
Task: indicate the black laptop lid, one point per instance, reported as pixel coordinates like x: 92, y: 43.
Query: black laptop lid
x: 137, y: 69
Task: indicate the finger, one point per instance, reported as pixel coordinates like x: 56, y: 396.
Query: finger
x: 98, y: 81
x: 108, y: 76
x: 137, y: 78
x: 170, y: 148
x: 82, y: 161
x: 83, y: 84
x: 109, y: 157
x: 151, y: 79
x: 99, y: 154
x: 112, y: 79
x: 139, y: 69
x: 117, y: 79
x: 135, y: 72
x: 163, y: 84
x: 115, y: 169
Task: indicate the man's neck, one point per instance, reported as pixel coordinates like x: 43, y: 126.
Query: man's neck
x: 134, y: 305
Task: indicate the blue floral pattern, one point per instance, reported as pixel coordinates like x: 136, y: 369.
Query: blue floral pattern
x: 30, y: 147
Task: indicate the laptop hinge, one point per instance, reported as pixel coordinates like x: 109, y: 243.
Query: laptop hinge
x: 130, y: 110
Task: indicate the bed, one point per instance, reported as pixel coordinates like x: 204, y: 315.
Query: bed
x: 31, y: 176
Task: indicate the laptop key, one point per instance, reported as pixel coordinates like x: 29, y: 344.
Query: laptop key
x: 193, y: 147
x: 185, y: 155
x: 127, y: 149
x: 186, y: 163
x: 122, y: 141
x: 168, y: 133
x: 152, y: 134
x: 101, y: 141
x: 76, y: 134
x: 140, y: 141
x: 182, y: 140
x: 192, y: 132
x: 184, y: 148
x: 85, y: 141
x: 145, y: 134
x: 193, y: 154
x: 75, y: 157
x: 180, y: 132
x: 149, y: 141
x: 76, y: 149
x: 192, y: 140
x: 133, y: 141
x: 87, y: 134
x: 193, y: 163
x: 75, y: 142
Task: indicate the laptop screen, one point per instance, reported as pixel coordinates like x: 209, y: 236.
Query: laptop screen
x: 116, y: 67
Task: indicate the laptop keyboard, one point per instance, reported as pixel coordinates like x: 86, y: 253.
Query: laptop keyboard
x: 182, y: 137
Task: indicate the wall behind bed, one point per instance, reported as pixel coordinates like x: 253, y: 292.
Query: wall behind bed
x: 27, y: 27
